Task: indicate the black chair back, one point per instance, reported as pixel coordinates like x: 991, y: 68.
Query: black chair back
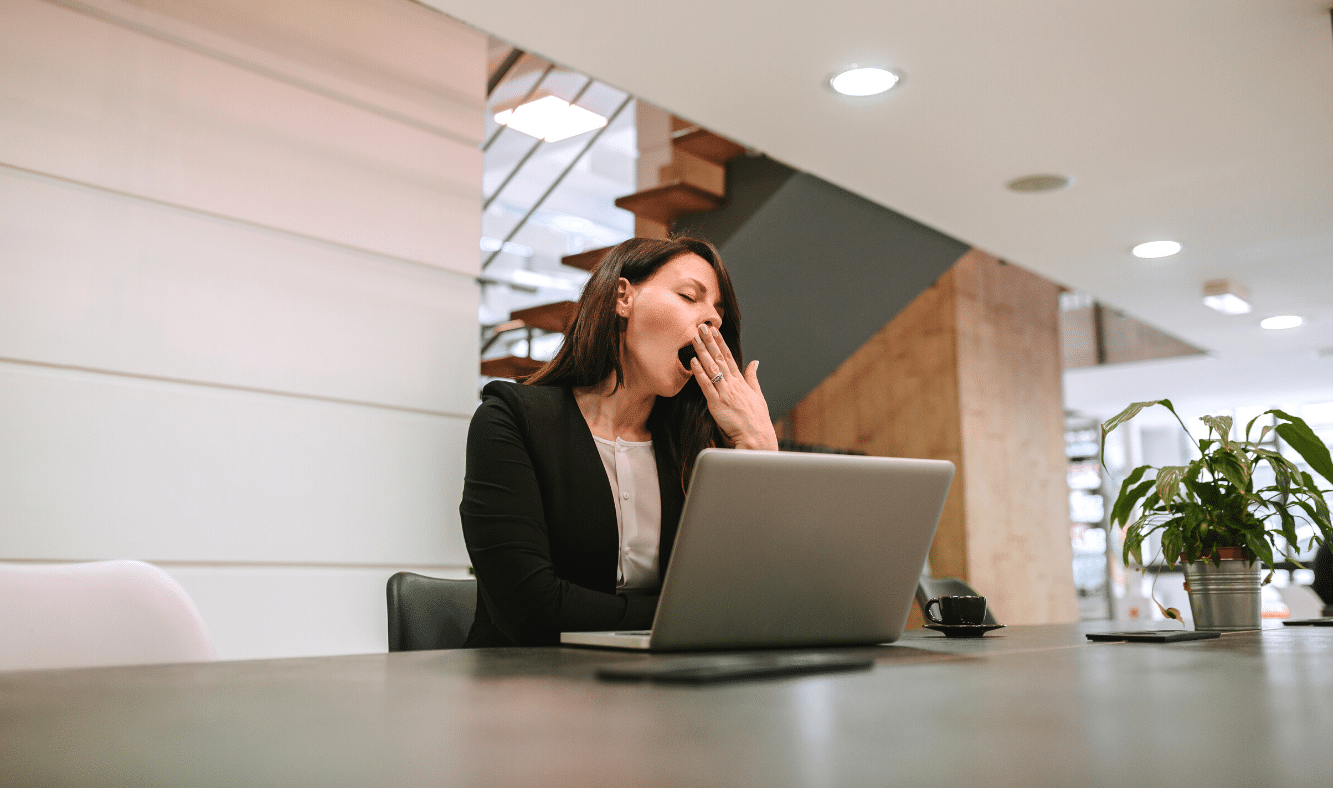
x: 429, y: 612
x: 928, y: 588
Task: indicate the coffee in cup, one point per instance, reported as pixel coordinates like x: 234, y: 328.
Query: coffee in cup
x: 957, y: 610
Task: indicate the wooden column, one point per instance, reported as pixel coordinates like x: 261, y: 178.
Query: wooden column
x: 970, y: 372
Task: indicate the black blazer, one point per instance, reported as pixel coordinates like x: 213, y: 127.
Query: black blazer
x: 540, y: 522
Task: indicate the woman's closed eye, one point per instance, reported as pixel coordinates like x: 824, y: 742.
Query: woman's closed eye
x: 688, y: 297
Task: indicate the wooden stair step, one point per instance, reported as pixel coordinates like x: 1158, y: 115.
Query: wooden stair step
x: 548, y: 317
x: 685, y: 167
x: 510, y: 367
x: 706, y: 145
x: 586, y: 260
x: 669, y: 202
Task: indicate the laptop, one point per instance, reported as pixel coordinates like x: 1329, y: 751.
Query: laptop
x: 790, y: 549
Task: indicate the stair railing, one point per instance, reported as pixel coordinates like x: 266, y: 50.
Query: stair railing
x: 559, y: 178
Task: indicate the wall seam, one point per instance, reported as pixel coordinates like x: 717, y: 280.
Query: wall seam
x: 233, y: 387
x: 224, y: 564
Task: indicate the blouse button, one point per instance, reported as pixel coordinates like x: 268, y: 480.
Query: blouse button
x: 625, y: 496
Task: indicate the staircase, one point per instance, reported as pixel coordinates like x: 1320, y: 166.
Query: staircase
x: 694, y: 181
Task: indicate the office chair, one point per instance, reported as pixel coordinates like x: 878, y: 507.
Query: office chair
x: 97, y: 614
x: 928, y: 588
x: 429, y: 612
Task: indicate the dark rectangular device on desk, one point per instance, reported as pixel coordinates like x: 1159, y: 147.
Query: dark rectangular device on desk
x: 786, y: 549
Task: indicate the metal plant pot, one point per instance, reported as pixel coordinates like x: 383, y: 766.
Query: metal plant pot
x: 1224, y: 598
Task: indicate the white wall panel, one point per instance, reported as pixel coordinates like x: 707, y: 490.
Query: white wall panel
x: 396, y: 56
x: 100, y: 103
x: 97, y: 466
x: 127, y: 286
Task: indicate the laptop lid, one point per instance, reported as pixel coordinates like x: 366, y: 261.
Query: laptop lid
x: 796, y: 549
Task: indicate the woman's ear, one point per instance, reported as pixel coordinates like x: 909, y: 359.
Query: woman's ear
x: 624, y: 297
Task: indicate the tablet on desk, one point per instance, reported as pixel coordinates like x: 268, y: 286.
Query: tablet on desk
x: 1153, y: 636
x: 1309, y: 622
x: 711, y: 669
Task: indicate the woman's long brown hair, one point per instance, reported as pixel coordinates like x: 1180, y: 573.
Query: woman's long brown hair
x: 591, y: 351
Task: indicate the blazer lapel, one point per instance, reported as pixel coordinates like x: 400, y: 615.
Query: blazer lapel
x: 593, y: 488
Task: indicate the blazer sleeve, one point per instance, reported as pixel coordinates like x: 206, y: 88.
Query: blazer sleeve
x: 507, y: 538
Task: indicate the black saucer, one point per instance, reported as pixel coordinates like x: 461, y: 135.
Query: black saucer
x: 964, y: 630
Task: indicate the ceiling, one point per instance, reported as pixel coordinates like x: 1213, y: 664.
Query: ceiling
x: 1209, y: 123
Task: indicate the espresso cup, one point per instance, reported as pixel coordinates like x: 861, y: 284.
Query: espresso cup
x: 956, y: 610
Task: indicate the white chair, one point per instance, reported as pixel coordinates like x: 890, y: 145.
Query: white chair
x: 96, y: 614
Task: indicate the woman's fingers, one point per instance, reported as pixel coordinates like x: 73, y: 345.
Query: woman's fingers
x: 718, y: 350
x: 752, y: 375
x: 706, y: 357
x: 724, y: 352
x: 704, y: 380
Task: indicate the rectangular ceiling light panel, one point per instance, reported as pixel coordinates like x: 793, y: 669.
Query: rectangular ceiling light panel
x: 551, y: 119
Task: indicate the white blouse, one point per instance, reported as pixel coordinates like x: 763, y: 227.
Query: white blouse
x: 631, y: 468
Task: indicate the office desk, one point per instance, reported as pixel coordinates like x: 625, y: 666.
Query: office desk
x: 1031, y: 706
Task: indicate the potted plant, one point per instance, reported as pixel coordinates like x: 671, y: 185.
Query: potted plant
x: 1211, y: 517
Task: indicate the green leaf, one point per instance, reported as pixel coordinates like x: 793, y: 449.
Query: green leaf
x: 1283, y: 470
x: 1260, y: 547
x: 1320, y: 505
x: 1221, y: 425
x: 1320, y: 520
x: 1124, y: 504
x: 1300, y: 437
x: 1232, y: 469
x: 1134, y: 542
x: 1171, y: 544
x: 1133, y: 477
x: 1288, y: 525
x: 1251, y: 424
x: 1168, y: 481
x: 1206, y: 492
x: 1130, y: 412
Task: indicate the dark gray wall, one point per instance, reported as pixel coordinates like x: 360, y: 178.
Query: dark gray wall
x: 818, y: 270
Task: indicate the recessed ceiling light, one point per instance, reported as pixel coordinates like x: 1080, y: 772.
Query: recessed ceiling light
x: 551, y: 119
x: 1039, y: 183
x: 1155, y: 249
x: 1280, y: 322
x: 863, y: 81
x: 1226, y: 296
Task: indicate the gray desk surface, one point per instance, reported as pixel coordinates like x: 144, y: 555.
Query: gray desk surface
x: 1031, y: 706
